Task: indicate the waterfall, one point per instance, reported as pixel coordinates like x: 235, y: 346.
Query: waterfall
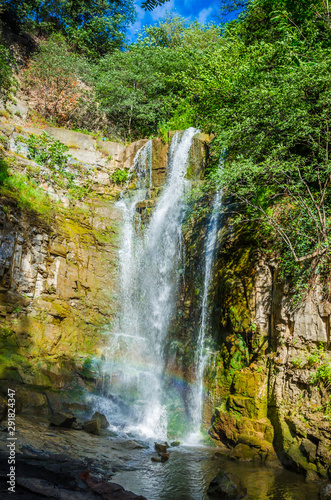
x: 201, y: 354
x: 149, y: 271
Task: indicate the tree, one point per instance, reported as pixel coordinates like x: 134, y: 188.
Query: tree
x: 266, y: 93
x: 167, y: 32
x: 133, y: 91
x: 152, y: 4
x: 139, y: 89
x: 53, y: 79
x: 95, y: 27
x: 6, y: 79
x: 229, y: 6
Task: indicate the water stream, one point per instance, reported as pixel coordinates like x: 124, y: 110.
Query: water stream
x: 149, y: 270
x: 201, y: 351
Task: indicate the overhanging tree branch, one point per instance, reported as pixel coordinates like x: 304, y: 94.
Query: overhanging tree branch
x: 152, y: 4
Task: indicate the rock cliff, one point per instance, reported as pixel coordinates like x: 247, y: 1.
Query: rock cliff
x: 268, y: 375
x: 59, y: 257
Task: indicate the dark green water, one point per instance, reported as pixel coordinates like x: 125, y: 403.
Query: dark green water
x: 189, y: 470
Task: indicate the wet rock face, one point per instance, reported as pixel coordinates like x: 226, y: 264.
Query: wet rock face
x: 263, y: 401
x: 56, y: 278
x: 226, y: 485
x: 57, y: 273
x: 269, y: 396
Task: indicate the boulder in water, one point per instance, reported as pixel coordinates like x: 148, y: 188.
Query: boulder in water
x: 161, y: 448
x: 226, y: 485
x: 108, y: 490
x: 156, y: 459
x: 62, y: 419
x: 175, y: 443
x: 164, y: 456
x: 103, y: 421
x: 93, y: 427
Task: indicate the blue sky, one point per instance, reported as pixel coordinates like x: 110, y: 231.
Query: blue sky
x: 190, y: 9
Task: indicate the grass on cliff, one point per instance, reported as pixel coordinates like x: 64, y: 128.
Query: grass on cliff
x: 3, y: 171
x: 26, y: 192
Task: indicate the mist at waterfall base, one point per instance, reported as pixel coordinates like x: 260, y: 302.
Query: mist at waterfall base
x: 144, y: 399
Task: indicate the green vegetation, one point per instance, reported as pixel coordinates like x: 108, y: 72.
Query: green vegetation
x: 6, y: 77
x: 296, y: 362
x: 321, y: 360
x: 93, y: 27
x: 52, y: 79
x: 46, y: 150
x: 137, y: 89
x: 3, y: 171
x: 27, y: 193
x: 120, y: 176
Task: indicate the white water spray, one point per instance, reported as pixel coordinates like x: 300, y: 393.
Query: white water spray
x: 149, y: 267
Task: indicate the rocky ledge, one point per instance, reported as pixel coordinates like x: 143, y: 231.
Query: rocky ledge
x: 49, y: 462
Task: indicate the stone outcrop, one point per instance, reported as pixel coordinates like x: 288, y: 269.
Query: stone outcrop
x: 55, y: 282
x: 58, y: 279
x: 226, y: 485
x: 86, y: 148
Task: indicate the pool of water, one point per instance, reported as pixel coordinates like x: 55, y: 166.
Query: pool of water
x: 188, y: 472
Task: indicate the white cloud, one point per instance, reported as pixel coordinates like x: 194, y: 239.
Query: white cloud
x: 204, y: 14
x: 141, y: 13
x: 135, y: 27
x: 160, y: 11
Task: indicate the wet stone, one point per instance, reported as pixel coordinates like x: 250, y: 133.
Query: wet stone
x: 77, y: 425
x: 325, y: 493
x: 226, y: 485
x: 93, y: 427
x: 162, y: 448
x: 164, y: 456
x: 103, y: 420
x: 62, y: 420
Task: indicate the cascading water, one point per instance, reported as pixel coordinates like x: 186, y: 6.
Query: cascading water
x: 149, y: 267
x: 201, y: 353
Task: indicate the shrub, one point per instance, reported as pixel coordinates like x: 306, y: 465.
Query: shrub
x: 120, y: 176
x: 44, y: 149
x: 3, y: 171
x: 296, y: 362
